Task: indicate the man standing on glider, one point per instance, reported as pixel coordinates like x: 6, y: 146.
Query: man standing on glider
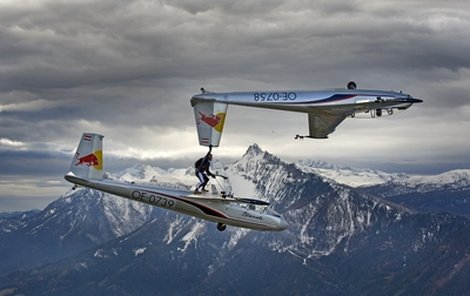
x: 202, y: 170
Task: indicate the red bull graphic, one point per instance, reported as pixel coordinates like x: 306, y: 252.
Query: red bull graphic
x: 215, y: 120
x: 93, y: 159
x: 211, y: 120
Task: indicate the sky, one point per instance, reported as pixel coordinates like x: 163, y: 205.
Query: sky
x: 127, y: 69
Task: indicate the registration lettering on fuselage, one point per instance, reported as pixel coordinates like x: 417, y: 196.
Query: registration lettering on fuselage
x: 152, y: 198
x: 274, y: 96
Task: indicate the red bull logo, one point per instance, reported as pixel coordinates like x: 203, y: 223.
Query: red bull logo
x: 214, y: 120
x: 211, y: 120
x: 93, y: 159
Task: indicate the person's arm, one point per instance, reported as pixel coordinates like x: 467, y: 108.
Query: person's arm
x: 206, y: 159
x: 210, y: 150
x: 210, y: 174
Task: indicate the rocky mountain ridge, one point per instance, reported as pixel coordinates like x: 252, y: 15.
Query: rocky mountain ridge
x: 341, y: 241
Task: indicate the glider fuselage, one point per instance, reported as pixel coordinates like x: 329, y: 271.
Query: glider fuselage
x: 208, y: 207
x: 326, y: 109
x: 348, y: 100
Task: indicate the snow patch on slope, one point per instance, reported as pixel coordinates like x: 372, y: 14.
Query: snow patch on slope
x: 139, y: 251
x: 192, y: 236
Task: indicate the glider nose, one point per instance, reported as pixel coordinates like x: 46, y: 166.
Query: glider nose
x: 282, y: 223
x: 410, y: 99
x: 414, y: 100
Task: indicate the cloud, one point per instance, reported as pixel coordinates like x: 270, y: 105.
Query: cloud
x: 10, y: 143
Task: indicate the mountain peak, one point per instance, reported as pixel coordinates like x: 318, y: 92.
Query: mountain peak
x: 253, y: 150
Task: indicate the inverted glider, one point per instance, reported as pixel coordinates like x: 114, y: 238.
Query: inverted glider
x: 326, y: 109
x: 86, y: 170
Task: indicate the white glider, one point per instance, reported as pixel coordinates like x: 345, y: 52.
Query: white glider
x: 326, y: 109
x: 86, y: 170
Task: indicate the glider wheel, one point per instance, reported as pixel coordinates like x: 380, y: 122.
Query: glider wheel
x: 221, y: 226
x: 351, y: 85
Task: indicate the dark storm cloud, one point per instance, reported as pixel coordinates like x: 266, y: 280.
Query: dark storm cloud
x: 33, y: 162
x: 64, y: 45
x: 106, y: 58
x: 74, y: 45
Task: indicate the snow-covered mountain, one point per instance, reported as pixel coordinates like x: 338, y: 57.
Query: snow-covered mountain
x: 456, y: 180
x: 448, y: 191
x: 78, y: 220
x: 357, y: 177
x: 11, y: 221
x: 172, y: 178
x: 340, y: 241
x: 354, y: 177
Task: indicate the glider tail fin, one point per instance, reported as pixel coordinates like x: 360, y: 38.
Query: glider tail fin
x: 88, y: 159
x: 210, y: 119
